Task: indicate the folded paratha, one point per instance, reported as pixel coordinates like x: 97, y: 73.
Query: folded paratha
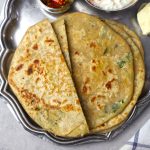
x: 139, y: 70
x: 102, y: 67
x: 60, y: 30
x: 40, y: 79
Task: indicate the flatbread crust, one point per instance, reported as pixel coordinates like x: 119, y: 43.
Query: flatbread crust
x: 102, y: 65
x: 40, y: 79
x: 133, y: 36
x: 139, y: 70
x: 60, y: 30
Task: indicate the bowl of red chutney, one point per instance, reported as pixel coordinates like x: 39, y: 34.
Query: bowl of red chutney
x: 55, y: 6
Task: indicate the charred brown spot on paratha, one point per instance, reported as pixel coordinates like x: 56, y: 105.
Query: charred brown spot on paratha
x: 101, y: 106
x: 30, y: 70
x: 84, y: 89
x: 77, y: 101
x: 27, y: 50
x: 35, y: 46
x: 92, y: 45
x: 30, y: 98
x: 68, y: 107
x: 76, y: 53
x: 109, y: 84
x: 93, y: 61
x: 19, y: 67
x: 62, y: 59
x: 37, y: 80
x: 105, y: 51
x: 36, y: 61
x: 104, y: 73
x: 93, y: 99
x: 94, y: 68
x: 80, y: 64
x: 103, y: 125
x: 56, y: 101
x: 49, y: 41
x: 40, y: 30
x: 110, y: 70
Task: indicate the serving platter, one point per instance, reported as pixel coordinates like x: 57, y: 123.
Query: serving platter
x: 18, y: 16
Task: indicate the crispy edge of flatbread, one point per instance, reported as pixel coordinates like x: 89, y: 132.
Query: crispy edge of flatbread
x: 60, y: 30
x: 139, y: 76
x: 135, y: 38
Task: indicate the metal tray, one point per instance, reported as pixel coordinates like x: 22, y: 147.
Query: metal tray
x: 18, y: 16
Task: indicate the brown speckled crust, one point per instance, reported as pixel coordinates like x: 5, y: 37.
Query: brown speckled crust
x: 60, y: 30
x: 139, y: 70
x: 109, y: 68
x: 133, y: 36
x: 40, y: 79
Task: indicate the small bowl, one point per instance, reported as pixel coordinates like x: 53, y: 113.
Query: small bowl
x: 55, y: 10
x: 111, y: 10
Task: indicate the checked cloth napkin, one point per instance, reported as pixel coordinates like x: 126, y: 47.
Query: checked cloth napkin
x: 141, y: 140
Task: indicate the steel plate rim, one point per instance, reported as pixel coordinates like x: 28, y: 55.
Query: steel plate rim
x: 40, y: 132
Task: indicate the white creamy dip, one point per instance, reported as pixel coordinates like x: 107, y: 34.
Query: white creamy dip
x: 111, y: 5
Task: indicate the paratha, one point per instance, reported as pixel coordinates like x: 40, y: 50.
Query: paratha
x: 131, y: 34
x: 139, y: 70
x: 102, y: 67
x: 60, y: 30
x: 40, y: 79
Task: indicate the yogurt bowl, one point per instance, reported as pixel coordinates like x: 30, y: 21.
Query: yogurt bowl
x: 111, y: 5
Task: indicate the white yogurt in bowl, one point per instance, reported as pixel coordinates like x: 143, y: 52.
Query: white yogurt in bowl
x: 112, y: 5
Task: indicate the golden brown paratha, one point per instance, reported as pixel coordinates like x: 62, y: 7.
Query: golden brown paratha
x: 139, y: 70
x: 40, y: 79
x: 60, y: 30
x: 131, y: 34
x: 102, y: 65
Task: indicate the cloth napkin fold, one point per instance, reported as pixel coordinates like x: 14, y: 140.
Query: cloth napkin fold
x: 141, y: 140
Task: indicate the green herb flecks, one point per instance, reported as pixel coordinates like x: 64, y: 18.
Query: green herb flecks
x: 121, y: 63
x: 126, y: 59
x: 114, y: 107
x: 117, y: 105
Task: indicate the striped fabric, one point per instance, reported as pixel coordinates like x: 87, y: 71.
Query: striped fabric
x: 141, y: 140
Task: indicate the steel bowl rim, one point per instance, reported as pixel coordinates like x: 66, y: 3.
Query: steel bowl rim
x: 120, y: 9
x: 55, y: 10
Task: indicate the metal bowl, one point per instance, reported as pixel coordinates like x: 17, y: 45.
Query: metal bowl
x: 55, y: 10
x: 111, y: 10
